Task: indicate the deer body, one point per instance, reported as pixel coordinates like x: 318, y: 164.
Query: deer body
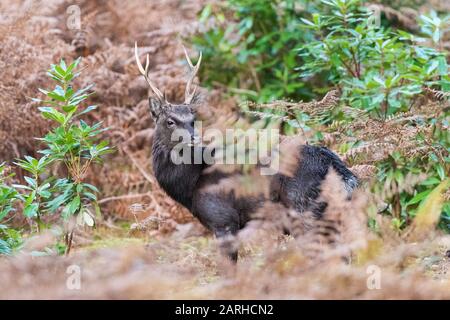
x: 301, y: 190
x: 194, y: 185
x: 223, y: 213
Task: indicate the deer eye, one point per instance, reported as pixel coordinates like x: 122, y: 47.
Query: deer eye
x: 170, y: 123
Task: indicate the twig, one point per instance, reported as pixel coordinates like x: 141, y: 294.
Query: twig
x: 138, y: 166
x: 146, y: 176
x: 123, y: 197
x: 139, y: 134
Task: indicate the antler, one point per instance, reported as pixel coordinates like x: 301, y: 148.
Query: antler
x: 188, y: 94
x: 144, y: 72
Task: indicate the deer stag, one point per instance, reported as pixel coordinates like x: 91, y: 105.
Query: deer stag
x: 192, y: 185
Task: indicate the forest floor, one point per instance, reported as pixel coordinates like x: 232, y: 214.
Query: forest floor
x: 115, y: 265
x: 173, y: 257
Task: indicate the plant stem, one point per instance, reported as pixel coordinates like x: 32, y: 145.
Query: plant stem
x: 68, y: 237
x: 38, y: 200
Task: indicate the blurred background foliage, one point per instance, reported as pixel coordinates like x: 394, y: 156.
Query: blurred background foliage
x: 388, y: 62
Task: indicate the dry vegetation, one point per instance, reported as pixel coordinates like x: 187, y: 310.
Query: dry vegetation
x: 148, y: 247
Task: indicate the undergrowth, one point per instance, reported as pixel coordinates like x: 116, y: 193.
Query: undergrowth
x: 55, y: 183
x: 392, y: 119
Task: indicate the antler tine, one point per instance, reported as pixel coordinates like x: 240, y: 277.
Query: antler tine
x: 144, y: 72
x: 188, y: 94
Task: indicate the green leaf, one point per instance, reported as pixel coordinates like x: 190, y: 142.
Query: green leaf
x: 45, y: 194
x: 56, y: 96
x: 307, y: 22
x: 90, y: 186
x: 440, y: 171
x: 88, y: 109
x: 431, y: 66
x: 380, y: 81
x: 74, y: 205
x: 69, y: 108
x: 436, y: 35
x: 31, y: 182
x: 52, y: 114
x: 73, y: 65
x: 57, y: 202
x: 431, y: 181
x: 90, y: 196
x: 206, y: 12
x: 31, y: 210
x: 418, y: 197
x: 63, y: 65
x: 5, y: 248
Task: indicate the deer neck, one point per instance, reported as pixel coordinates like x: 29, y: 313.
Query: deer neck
x: 178, y: 180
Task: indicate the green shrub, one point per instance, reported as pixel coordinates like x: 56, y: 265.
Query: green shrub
x: 72, y: 144
x: 377, y: 69
x: 381, y: 72
x: 253, y: 52
x: 9, y: 238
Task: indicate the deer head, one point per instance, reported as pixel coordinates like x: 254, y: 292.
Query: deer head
x: 168, y: 116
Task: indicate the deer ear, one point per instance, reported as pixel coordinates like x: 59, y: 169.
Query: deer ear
x: 155, y: 105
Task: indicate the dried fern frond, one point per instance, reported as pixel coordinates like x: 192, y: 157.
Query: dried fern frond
x: 436, y: 95
x: 330, y: 100
x: 364, y: 171
x: 267, y: 115
x: 402, y: 117
x: 340, y: 230
x: 370, y: 151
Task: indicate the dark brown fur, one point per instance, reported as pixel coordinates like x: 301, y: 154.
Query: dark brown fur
x: 223, y: 211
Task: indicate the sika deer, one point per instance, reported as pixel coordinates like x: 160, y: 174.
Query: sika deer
x: 193, y: 185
